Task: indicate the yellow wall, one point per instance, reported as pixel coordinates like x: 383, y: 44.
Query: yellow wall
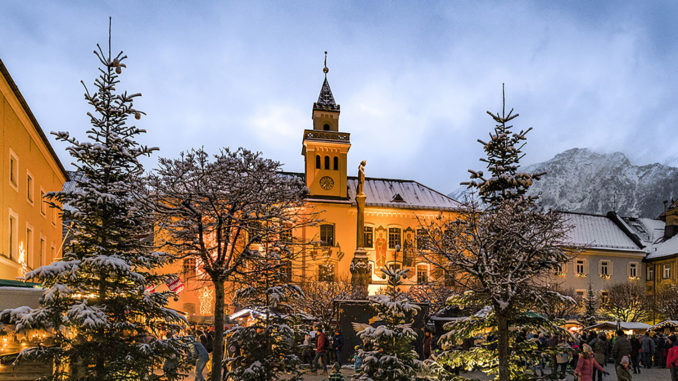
x: 20, y: 136
x: 659, y: 280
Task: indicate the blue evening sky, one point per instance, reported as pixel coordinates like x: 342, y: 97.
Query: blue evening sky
x: 414, y: 79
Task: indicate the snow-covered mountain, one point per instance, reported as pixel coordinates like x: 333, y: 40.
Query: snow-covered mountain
x: 580, y: 180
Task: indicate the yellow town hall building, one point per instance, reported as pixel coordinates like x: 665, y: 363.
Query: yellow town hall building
x: 394, y: 212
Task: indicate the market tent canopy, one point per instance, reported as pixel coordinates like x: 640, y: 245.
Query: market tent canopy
x: 625, y: 325
x: 672, y: 324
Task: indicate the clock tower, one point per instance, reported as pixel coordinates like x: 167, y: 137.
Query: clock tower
x: 325, y: 148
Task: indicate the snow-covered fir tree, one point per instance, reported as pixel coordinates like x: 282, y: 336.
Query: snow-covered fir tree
x: 220, y: 210
x: 104, y: 325
x: 589, y: 317
x: 501, y: 253
x: 265, y: 350
x: 387, y: 353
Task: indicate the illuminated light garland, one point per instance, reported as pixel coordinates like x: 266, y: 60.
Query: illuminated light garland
x: 206, y: 299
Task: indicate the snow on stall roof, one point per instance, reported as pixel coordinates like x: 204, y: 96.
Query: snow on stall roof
x: 628, y: 325
x: 596, y: 231
x: 402, y: 194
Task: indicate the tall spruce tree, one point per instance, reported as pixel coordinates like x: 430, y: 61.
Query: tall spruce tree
x: 105, y: 326
x: 387, y: 354
x: 590, y: 308
x: 500, y: 253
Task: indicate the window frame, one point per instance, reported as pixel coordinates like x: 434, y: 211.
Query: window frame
x: 29, y: 249
x: 365, y: 234
x: 13, y: 234
x: 561, y: 269
x: 583, y: 271
x: 649, y: 272
x: 604, y: 296
x: 579, y: 293
x: 666, y: 274
x: 633, y: 265
x: 427, y: 274
x: 608, y: 268
x: 43, y: 204
x: 30, y: 187
x: 13, y: 170
x: 400, y: 237
x: 324, y: 242
x: 43, y: 250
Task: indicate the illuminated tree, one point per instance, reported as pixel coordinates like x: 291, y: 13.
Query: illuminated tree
x: 626, y: 302
x: 105, y: 326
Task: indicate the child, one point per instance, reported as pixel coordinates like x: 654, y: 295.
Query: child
x: 357, y: 361
x: 336, y: 373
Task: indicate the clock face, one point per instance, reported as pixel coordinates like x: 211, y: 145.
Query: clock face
x: 326, y: 183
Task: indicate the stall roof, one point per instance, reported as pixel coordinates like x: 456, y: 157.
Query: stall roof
x: 628, y: 325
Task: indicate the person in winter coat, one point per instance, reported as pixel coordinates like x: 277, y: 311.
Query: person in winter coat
x: 599, y: 346
x: 562, y: 358
x: 621, y: 347
x: 672, y: 358
x: 623, y: 370
x: 337, y: 345
x: 202, y: 358
x: 647, y: 348
x: 635, y: 354
x: 586, y: 364
x: 320, y: 349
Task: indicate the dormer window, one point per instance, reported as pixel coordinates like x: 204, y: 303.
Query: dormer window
x: 397, y: 198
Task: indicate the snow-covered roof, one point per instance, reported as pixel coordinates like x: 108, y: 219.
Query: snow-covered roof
x: 664, y: 248
x: 627, y: 325
x: 598, y: 232
x: 647, y: 229
x: 402, y: 194
x: 673, y: 324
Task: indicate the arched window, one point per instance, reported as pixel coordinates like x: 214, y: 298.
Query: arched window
x: 336, y: 163
x: 317, y: 161
x: 327, y: 162
x: 326, y: 127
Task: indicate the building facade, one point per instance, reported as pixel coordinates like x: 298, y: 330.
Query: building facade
x: 31, y: 231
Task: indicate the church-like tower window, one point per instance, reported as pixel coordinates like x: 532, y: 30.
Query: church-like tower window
x: 317, y: 161
x: 336, y: 163
x: 326, y: 127
x: 327, y: 162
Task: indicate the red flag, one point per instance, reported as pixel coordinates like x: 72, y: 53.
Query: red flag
x: 175, y: 284
x: 150, y: 288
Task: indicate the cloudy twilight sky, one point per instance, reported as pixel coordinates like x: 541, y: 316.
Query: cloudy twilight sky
x: 414, y: 79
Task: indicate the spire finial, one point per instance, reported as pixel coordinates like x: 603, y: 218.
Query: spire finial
x: 325, y: 69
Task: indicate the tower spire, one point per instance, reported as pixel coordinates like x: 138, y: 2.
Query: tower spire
x: 325, y: 69
x: 326, y: 99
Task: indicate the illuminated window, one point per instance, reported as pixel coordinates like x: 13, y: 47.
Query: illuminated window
x: 666, y: 274
x: 286, y: 234
x: 650, y: 272
x: 604, y: 268
x: 422, y: 274
x: 604, y: 297
x: 29, y: 187
x: 633, y: 270
x: 394, y: 235
x: 368, y: 236
x: 327, y: 235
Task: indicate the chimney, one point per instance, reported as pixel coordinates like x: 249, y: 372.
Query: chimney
x: 671, y: 219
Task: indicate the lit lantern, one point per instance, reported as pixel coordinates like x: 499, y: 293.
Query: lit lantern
x: 22, y: 260
x: 206, y: 300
